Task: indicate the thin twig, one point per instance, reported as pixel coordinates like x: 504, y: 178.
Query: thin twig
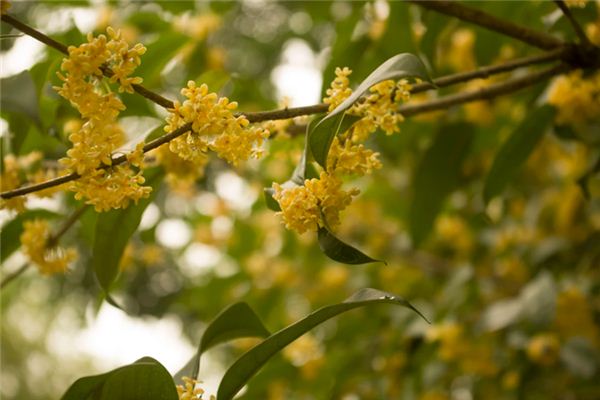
x: 67, y: 224
x: 407, y: 110
x: 147, y: 93
x: 52, y: 241
x: 14, y: 275
x: 487, y: 93
x: 583, y: 39
x: 486, y: 72
x: 261, y: 115
x: 115, y: 161
x: 485, y: 20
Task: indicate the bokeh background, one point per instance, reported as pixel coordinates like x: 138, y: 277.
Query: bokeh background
x: 512, y: 287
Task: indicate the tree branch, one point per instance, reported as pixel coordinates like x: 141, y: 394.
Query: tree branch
x: 286, y: 113
x: 9, y: 278
x: 485, y: 20
x: 583, y: 39
x: 487, y: 93
x: 150, y: 95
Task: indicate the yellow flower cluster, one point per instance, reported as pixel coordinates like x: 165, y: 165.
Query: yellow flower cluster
x: 544, y: 349
x: 303, y: 207
x: 94, y: 142
x: 340, y: 88
x: 351, y: 158
x: 4, y: 6
x: 576, y: 3
x: 27, y: 166
x: 576, y: 97
x: 321, y: 200
x: 593, y: 32
x: 34, y: 241
x: 10, y: 180
x: 190, y: 391
x: 214, y: 127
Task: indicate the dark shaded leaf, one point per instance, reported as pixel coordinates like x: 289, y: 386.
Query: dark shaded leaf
x: 320, y: 142
x: 251, y: 361
x: 84, y: 388
x: 19, y: 94
x: 272, y: 204
x: 515, y: 151
x: 437, y: 175
x: 339, y: 251
x: 236, y: 321
x: 145, y: 379
x: 113, y: 230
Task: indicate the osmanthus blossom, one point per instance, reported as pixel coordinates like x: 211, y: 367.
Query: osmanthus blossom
x: 48, y: 258
x: 214, y: 127
x: 320, y: 200
x: 101, y: 184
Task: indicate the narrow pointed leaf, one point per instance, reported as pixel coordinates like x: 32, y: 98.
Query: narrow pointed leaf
x: 339, y: 251
x: 322, y: 136
x: 271, y: 203
x: 437, y: 175
x: 515, y: 151
x: 113, y: 231
x: 250, y: 362
x: 236, y: 321
x: 400, y: 66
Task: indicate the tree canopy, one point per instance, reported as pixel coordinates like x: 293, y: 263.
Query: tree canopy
x: 228, y: 180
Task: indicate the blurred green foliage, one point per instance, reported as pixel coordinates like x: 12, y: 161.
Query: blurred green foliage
x: 510, y: 283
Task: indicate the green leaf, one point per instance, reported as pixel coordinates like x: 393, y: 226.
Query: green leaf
x: 145, y: 379
x: 400, y: 66
x: 251, y: 361
x: 84, y: 388
x: 113, y: 230
x: 437, y: 175
x: 236, y: 321
x: 515, y: 151
x: 11, y: 232
x: 339, y: 251
x: 19, y: 94
x: 272, y: 204
x: 321, y: 138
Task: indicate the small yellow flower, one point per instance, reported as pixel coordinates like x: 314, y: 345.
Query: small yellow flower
x: 577, y: 98
x: 190, y: 390
x: 214, y: 127
x: 4, y: 6
x: 99, y: 134
x: 10, y: 180
x: 544, y: 349
x: 576, y: 3
x: 34, y: 241
x: 351, y: 158
x: 340, y: 89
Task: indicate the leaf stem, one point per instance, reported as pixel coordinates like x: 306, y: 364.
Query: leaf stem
x: 485, y: 20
